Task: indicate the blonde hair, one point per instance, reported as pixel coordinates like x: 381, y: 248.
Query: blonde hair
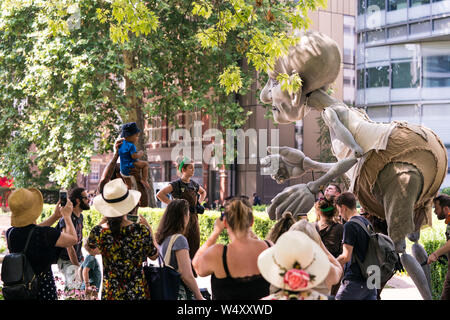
x: 308, y: 228
x: 239, y: 216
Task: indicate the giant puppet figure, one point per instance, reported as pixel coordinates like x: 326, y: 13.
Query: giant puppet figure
x: 395, y: 168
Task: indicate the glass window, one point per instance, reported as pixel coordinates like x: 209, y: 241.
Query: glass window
x: 432, y: 117
x: 405, y: 74
x: 376, y: 35
x: 379, y: 3
x: 156, y: 170
x: 379, y: 114
x: 349, y: 86
x: 441, y: 25
x: 415, y: 3
x: 436, y: 71
x: 420, y: 28
x: 378, y: 77
x: 397, y: 32
x: 173, y: 172
x: 377, y: 54
x: 361, y: 7
x: 349, y: 40
x: 396, y: 4
x: 94, y: 175
x: 198, y: 174
x: 410, y: 113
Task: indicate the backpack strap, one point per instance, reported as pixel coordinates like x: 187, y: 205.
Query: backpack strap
x: 169, y: 249
x: 28, y: 240
x: 26, y: 243
x: 362, y: 225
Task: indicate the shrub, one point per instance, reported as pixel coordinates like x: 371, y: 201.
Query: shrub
x: 446, y: 191
x: 438, y: 270
x: 92, y: 217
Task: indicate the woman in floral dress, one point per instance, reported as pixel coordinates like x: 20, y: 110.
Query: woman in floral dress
x: 124, y: 245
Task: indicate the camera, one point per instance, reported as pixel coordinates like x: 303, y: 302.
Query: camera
x: 199, y: 208
x: 133, y: 218
x: 222, y: 212
x: 63, y: 197
x: 205, y: 293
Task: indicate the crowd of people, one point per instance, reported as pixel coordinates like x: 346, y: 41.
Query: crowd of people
x: 297, y: 260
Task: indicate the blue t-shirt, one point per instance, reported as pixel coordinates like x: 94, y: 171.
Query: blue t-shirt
x: 126, y: 161
x: 355, y: 236
x: 95, y: 276
x: 179, y: 244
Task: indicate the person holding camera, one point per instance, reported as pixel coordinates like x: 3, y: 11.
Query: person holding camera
x: 26, y: 206
x: 188, y: 189
x: 71, y: 258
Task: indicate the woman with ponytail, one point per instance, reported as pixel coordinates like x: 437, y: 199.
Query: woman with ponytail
x: 233, y: 267
x: 124, y: 245
x: 283, y: 225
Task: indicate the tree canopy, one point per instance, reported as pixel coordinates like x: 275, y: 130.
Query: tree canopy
x: 71, y: 71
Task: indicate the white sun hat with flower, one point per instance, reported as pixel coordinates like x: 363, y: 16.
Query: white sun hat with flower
x: 294, y: 263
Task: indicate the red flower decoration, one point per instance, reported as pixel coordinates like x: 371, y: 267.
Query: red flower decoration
x: 296, y: 279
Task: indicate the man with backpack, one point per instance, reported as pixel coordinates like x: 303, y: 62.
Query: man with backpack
x: 355, y: 245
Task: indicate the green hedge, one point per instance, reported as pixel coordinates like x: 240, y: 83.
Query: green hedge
x: 438, y: 270
x: 446, y: 191
x: 92, y: 217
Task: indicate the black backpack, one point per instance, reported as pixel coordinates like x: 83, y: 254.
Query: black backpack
x: 380, y: 252
x: 19, y: 280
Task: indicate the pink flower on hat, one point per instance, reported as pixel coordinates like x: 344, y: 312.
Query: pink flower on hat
x: 296, y: 279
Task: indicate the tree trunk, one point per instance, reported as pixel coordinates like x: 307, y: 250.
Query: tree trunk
x: 135, y: 114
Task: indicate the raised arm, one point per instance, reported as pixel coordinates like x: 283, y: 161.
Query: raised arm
x: 337, y: 170
x: 110, y: 167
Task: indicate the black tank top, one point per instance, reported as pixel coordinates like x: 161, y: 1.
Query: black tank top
x: 243, y: 288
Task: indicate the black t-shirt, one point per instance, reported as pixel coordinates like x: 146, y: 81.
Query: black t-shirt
x: 332, y: 237
x: 179, y: 186
x: 41, y: 248
x: 355, y: 236
x: 78, y: 224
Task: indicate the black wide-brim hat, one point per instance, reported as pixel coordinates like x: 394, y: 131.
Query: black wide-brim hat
x: 129, y: 129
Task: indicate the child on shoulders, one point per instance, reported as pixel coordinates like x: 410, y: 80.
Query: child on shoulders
x: 129, y: 155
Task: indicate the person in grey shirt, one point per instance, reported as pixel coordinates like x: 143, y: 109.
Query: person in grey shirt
x: 173, y: 224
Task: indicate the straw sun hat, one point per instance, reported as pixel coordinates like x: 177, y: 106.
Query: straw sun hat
x: 116, y: 200
x: 294, y: 263
x: 26, y: 206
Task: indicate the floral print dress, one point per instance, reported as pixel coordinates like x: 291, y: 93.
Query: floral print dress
x: 123, y: 277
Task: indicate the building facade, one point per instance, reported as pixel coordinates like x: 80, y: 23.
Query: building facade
x: 403, y: 63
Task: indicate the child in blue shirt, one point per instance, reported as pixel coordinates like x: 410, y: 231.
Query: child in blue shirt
x: 129, y: 155
x: 90, y: 274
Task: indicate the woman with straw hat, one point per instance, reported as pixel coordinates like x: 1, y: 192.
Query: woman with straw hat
x: 124, y: 245
x: 26, y: 206
x: 295, y: 265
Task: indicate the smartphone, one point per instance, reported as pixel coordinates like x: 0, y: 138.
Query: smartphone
x: 222, y: 213
x: 63, y: 197
x: 133, y: 218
